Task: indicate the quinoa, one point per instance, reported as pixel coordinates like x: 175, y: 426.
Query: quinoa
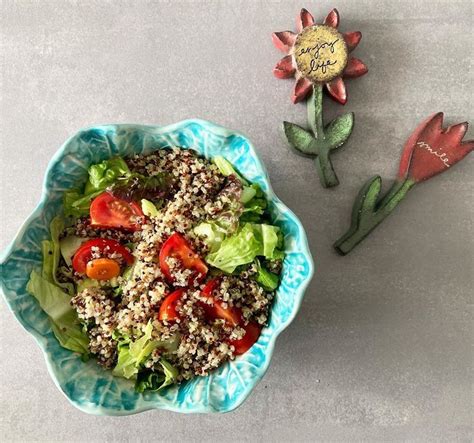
x: 199, y: 192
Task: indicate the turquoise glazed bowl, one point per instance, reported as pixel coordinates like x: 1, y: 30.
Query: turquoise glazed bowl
x: 86, y: 385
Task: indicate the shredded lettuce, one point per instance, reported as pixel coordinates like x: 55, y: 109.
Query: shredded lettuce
x: 211, y: 233
x: 132, y: 354
x: 69, y: 245
x: 266, y: 279
x: 149, y: 209
x: 250, y: 241
x: 51, y: 254
x: 248, y: 193
x: 255, y: 207
x: 56, y: 303
x: 101, y: 175
x: 226, y: 168
x: 54, y: 296
x: 154, y: 381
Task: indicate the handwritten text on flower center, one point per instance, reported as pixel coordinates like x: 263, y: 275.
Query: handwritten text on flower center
x: 315, y: 64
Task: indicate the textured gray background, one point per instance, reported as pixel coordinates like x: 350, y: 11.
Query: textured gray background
x: 381, y: 347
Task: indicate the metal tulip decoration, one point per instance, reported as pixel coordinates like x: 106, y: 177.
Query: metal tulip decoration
x: 429, y: 151
x: 319, y: 56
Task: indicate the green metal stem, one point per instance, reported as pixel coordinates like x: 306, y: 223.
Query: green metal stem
x: 367, y: 224
x: 323, y: 162
x: 325, y: 169
x: 315, y: 112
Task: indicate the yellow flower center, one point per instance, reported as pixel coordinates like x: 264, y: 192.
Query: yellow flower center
x: 320, y: 53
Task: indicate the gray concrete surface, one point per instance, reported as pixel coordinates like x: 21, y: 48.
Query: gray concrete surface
x: 381, y: 347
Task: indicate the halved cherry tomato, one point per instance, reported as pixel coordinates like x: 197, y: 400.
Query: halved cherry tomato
x: 177, y: 247
x: 252, y: 332
x: 108, y: 211
x: 232, y: 315
x: 102, y: 269
x: 168, y: 310
x: 84, y: 254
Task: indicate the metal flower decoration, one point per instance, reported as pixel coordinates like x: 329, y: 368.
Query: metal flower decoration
x: 429, y: 151
x: 318, y: 56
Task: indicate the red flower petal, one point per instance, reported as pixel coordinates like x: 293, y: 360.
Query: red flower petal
x: 454, y: 134
x: 304, y: 20
x: 302, y: 89
x: 430, y: 150
x: 462, y: 150
x: 436, y: 120
x: 355, y: 68
x: 284, y: 68
x: 352, y: 39
x: 284, y: 40
x: 337, y: 89
x: 332, y: 19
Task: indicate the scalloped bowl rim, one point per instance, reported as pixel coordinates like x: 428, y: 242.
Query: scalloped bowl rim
x: 270, y: 194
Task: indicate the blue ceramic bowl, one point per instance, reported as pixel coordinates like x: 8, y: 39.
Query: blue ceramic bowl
x: 86, y: 385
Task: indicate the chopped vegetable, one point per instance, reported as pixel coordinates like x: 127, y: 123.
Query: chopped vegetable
x: 136, y: 187
x: 149, y: 209
x: 153, y: 381
x: 51, y: 255
x: 241, y: 248
x: 108, y: 211
x: 64, y: 321
x: 168, y: 310
x: 211, y: 233
x: 69, y: 245
x: 176, y: 247
x: 266, y: 279
x: 252, y: 332
x: 101, y: 245
x: 217, y: 308
x: 132, y: 354
x: 104, y: 174
x: 101, y: 175
x: 102, y: 269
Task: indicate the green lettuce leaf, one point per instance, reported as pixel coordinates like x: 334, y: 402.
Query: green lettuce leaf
x: 69, y: 245
x: 226, y: 168
x: 105, y: 173
x: 132, y: 354
x: 148, y: 208
x: 255, y: 209
x: 56, y: 303
x: 51, y: 254
x: 101, y: 175
x: 266, y: 279
x: 250, y: 241
x: 211, y: 233
x: 153, y: 381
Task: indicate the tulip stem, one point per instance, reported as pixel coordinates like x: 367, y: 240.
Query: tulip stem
x: 369, y: 211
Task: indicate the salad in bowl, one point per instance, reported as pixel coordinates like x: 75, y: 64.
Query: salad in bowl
x: 163, y: 267
x: 158, y: 269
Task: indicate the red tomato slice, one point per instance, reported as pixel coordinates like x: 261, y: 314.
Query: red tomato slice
x: 168, y: 310
x: 108, y: 211
x: 84, y: 254
x: 230, y: 314
x: 252, y: 332
x: 177, y: 247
